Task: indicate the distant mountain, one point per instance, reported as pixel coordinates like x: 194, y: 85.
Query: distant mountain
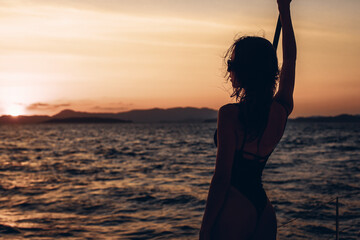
x: 148, y: 115
x: 187, y: 114
x: 339, y: 118
x: 86, y: 120
x: 6, y: 119
x: 68, y: 113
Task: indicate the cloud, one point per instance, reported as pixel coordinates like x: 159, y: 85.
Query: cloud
x: 46, y: 106
x: 88, y: 105
x: 109, y: 109
x: 113, y: 107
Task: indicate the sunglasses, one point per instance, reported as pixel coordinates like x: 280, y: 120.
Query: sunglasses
x: 230, y: 65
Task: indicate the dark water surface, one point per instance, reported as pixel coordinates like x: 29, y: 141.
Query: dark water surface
x: 150, y: 181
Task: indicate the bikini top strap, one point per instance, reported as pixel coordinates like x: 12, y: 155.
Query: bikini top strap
x: 249, y: 153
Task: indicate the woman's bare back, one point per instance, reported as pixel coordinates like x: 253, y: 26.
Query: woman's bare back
x: 271, y: 135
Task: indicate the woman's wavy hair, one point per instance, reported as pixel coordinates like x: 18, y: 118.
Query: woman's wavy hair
x: 254, y: 65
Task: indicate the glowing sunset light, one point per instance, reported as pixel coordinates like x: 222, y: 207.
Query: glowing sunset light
x: 14, y: 110
x: 95, y: 55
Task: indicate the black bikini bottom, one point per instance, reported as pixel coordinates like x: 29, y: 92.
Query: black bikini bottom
x: 256, y: 196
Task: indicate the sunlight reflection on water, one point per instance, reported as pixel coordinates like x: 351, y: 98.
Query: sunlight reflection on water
x: 142, y: 181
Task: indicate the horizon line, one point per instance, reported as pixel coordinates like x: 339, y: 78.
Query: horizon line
x: 146, y: 109
x: 79, y: 111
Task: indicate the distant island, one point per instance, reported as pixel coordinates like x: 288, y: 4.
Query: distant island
x: 155, y: 115
x: 338, y: 118
x: 86, y: 120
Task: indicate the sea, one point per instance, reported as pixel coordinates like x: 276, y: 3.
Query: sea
x: 150, y: 181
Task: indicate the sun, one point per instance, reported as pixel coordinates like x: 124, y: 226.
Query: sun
x: 14, y: 110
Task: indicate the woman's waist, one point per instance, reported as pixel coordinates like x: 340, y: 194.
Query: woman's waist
x: 247, y: 175
x: 249, y: 188
x: 247, y: 180
x: 250, y: 184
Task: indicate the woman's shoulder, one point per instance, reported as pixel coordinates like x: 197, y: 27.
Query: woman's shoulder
x: 229, y: 112
x: 229, y: 108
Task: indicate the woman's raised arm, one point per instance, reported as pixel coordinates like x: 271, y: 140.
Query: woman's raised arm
x: 287, y: 73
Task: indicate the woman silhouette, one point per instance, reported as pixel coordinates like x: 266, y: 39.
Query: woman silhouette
x: 248, y: 131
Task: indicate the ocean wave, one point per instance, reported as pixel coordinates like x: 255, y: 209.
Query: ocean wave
x: 144, y: 181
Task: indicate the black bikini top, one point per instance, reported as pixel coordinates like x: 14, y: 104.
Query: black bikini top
x: 256, y: 157
x: 248, y: 153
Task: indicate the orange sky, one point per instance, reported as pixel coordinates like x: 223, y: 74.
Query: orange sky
x: 110, y: 56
